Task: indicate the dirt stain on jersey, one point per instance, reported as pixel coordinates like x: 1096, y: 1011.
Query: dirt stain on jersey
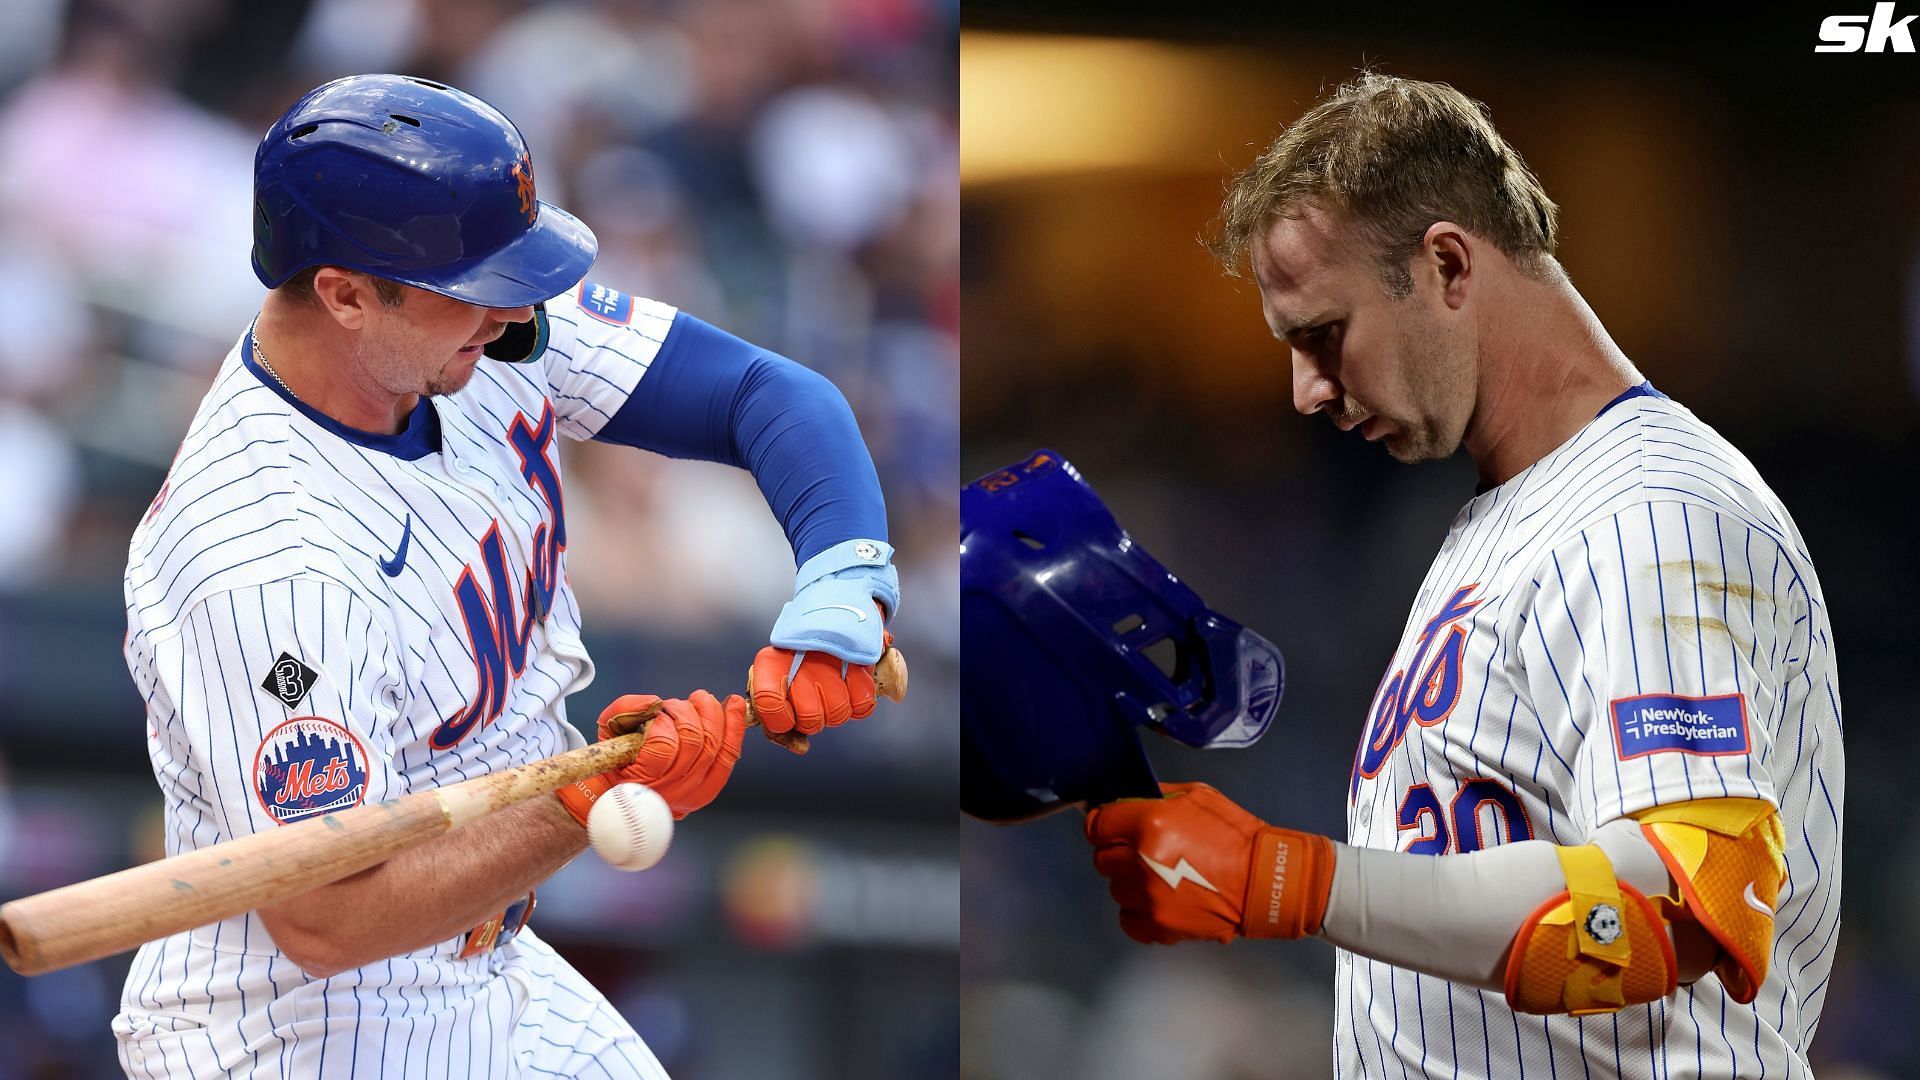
x: 1704, y: 577
x: 1726, y: 588
x: 1694, y: 625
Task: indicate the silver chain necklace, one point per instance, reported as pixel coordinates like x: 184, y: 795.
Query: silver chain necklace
x: 261, y: 355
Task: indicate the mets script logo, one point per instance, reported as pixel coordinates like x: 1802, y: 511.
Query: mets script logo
x: 309, y: 765
x: 523, y: 175
x: 1426, y: 690
x: 497, y: 627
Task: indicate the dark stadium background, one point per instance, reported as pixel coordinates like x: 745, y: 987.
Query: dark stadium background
x: 784, y: 168
x: 1740, y: 212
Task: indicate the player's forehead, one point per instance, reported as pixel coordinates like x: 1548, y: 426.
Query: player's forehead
x: 1303, y: 262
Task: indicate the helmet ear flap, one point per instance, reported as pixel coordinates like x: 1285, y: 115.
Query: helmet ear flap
x: 522, y: 342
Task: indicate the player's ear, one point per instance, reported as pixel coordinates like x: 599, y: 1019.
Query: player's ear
x: 1446, y: 252
x: 344, y: 294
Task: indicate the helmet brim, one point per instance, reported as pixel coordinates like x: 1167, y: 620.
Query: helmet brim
x: 540, y: 264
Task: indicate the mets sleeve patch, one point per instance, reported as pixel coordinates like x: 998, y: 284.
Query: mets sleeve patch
x: 309, y: 765
x: 1659, y: 723
x: 607, y: 305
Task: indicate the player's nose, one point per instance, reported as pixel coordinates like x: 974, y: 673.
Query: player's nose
x: 513, y: 315
x: 1313, y: 389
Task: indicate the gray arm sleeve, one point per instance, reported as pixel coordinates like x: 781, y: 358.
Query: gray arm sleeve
x: 1453, y: 916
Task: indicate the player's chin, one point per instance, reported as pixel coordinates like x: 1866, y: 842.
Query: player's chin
x: 455, y: 376
x: 1414, y: 447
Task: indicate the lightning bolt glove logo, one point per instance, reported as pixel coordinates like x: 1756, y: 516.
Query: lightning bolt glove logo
x: 1178, y: 872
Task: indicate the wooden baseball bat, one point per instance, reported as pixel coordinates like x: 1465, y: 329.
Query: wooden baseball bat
x: 105, y: 915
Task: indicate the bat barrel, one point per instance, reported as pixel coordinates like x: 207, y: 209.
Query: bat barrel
x: 105, y: 915
x: 91, y: 919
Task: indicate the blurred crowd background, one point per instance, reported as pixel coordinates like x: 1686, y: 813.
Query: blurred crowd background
x: 785, y: 169
x: 1741, y: 213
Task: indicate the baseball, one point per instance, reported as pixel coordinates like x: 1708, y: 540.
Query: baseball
x: 630, y: 826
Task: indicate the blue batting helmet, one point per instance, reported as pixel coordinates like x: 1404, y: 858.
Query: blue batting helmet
x: 412, y: 181
x: 1072, y: 636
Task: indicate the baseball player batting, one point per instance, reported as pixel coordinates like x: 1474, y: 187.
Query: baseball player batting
x: 1594, y: 816
x: 353, y: 586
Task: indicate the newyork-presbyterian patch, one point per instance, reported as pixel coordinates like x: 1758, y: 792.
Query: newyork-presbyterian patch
x: 1661, y: 723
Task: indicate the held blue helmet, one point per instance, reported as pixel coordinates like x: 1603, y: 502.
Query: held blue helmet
x: 1071, y: 637
x: 412, y: 181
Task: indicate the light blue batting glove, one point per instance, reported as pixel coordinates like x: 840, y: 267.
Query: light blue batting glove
x: 832, y: 607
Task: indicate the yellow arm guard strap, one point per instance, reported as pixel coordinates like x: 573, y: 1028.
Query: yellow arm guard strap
x: 1728, y: 859
x: 1596, y: 948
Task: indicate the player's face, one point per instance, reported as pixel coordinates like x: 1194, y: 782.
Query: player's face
x: 1397, y: 370
x: 429, y: 344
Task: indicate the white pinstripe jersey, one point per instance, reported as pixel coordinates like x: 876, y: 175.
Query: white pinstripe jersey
x: 318, y: 619
x: 1631, y: 621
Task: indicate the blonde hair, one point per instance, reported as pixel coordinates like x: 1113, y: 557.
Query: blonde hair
x: 1394, y: 156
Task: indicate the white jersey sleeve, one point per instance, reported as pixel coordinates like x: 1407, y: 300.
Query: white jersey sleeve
x: 1666, y: 633
x: 601, y: 342
x: 270, y: 704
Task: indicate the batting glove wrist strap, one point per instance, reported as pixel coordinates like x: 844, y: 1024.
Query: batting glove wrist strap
x: 1288, y: 883
x: 847, y: 555
x: 579, y: 796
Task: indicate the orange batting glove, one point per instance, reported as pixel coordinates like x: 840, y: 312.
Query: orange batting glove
x: 824, y: 692
x: 1194, y: 865
x: 691, y: 748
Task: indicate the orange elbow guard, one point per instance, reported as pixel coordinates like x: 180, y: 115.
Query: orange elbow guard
x: 1596, y: 948
x: 1728, y: 858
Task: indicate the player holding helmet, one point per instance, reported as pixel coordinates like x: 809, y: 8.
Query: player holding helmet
x: 1595, y: 811
x: 353, y: 586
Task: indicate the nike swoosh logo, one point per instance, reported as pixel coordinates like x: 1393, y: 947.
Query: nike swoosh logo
x: 857, y: 613
x: 399, y: 560
x: 1178, y: 872
x: 1754, y: 902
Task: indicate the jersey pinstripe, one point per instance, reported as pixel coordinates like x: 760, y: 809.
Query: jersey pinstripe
x: 421, y: 597
x: 1631, y: 621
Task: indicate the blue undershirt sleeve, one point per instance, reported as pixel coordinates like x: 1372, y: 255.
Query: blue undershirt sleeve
x: 710, y: 396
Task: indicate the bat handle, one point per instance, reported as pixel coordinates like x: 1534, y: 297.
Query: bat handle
x: 890, y: 675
